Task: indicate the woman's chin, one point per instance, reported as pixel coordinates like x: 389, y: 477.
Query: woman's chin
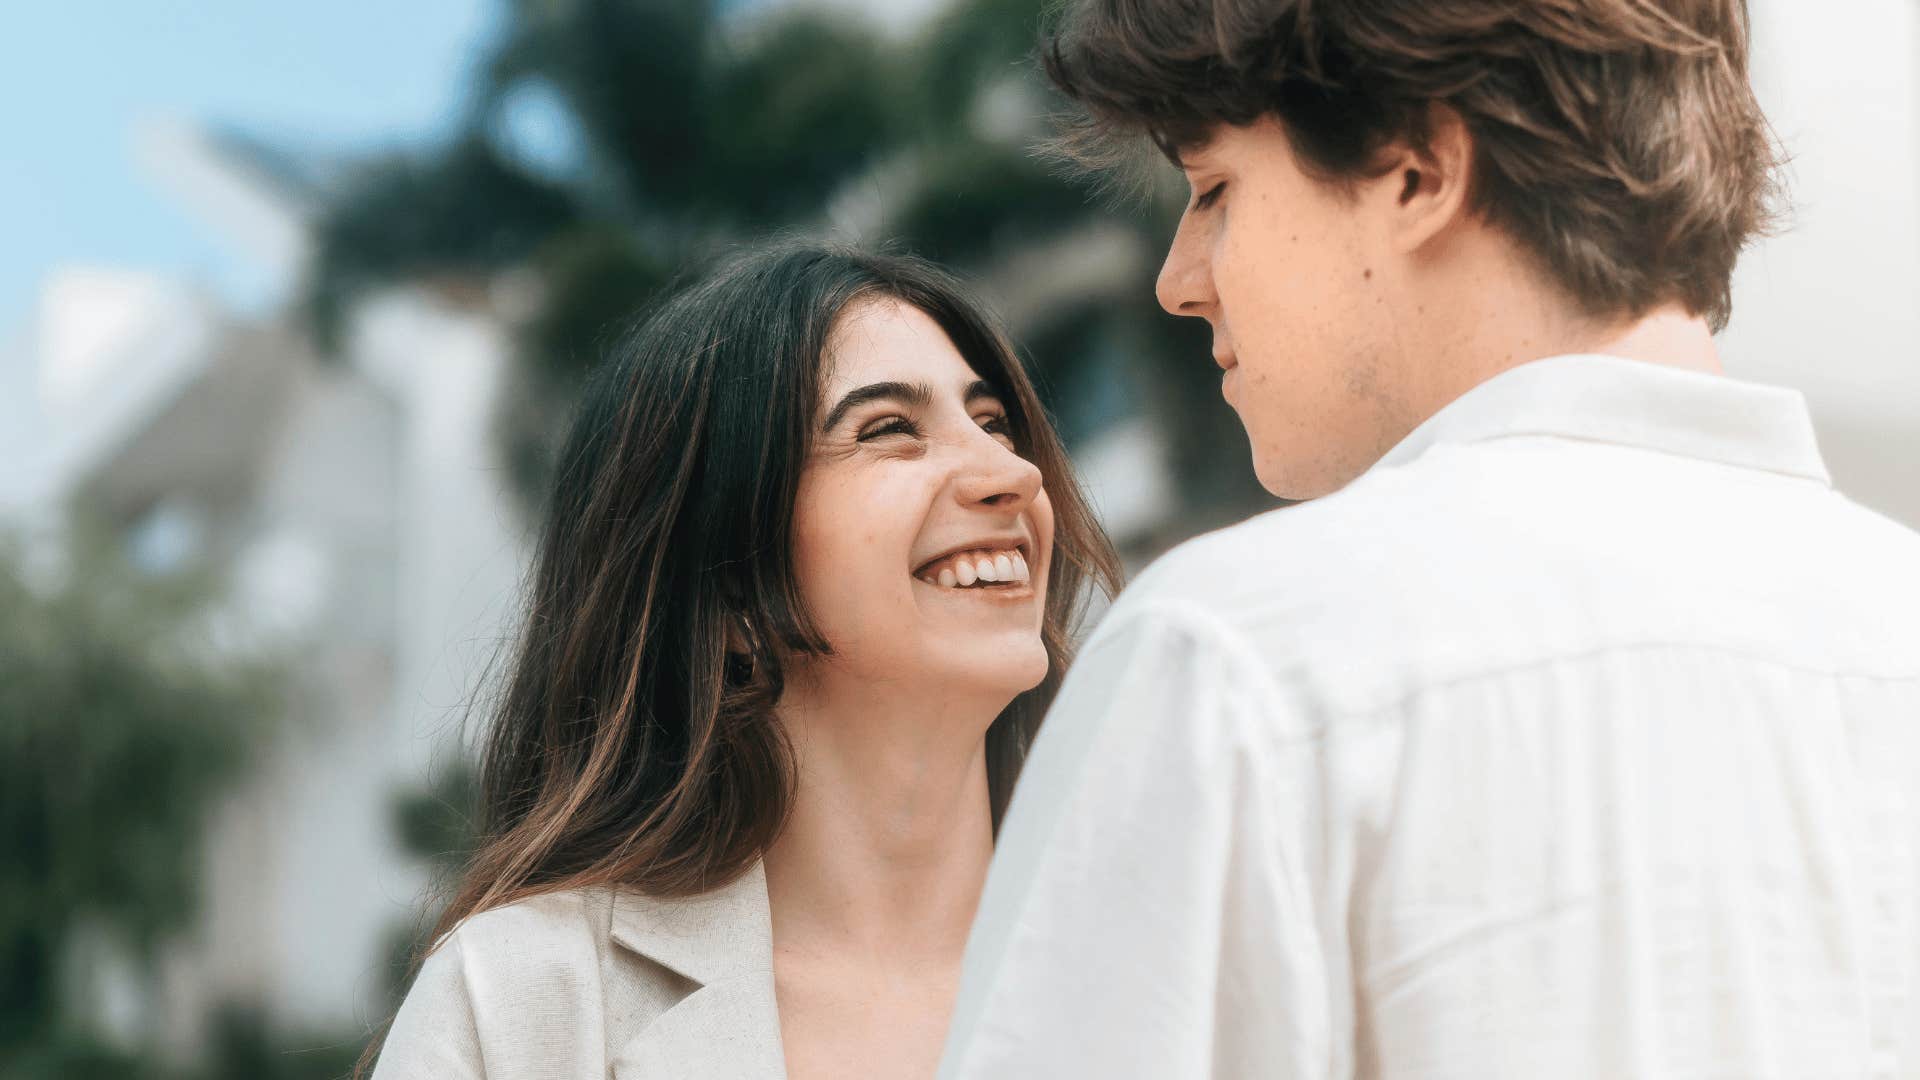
x: 1011, y: 670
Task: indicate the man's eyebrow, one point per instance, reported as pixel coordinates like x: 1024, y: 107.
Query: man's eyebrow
x: 915, y: 395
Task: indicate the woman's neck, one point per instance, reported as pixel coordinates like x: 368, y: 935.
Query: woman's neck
x: 885, y: 852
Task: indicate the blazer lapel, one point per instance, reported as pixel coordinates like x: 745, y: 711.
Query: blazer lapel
x: 728, y: 1030
x: 723, y: 941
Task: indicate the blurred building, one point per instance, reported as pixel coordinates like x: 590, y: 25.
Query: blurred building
x: 352, y: 509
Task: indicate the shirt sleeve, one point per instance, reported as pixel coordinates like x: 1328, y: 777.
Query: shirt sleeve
x: 1150, y: 912
x: 434, y: 1035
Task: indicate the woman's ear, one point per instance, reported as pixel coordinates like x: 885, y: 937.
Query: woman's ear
x: 739, y: 634
x: 1427, y: 183
x: 741, y: 658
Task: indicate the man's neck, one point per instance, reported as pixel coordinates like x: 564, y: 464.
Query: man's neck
x: 1666, y: 335
x: 1502, y: 315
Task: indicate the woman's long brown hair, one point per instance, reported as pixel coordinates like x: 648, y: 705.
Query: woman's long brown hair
x: 629, y: 746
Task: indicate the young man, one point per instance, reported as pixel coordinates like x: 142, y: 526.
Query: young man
x: 1572, y: 728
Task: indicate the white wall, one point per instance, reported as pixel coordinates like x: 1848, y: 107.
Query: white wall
x: 292, y: 919
x: 460, y: 551
x: 1832, y: 307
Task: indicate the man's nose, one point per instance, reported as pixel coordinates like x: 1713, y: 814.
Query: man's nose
x: 1183, y: 287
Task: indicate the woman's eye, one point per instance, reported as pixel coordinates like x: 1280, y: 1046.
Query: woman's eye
x: 1212, y: 196
x: 997, y: 424
x: 897, y: 426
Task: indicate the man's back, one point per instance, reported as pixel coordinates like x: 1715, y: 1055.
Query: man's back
x: 1580, y: 737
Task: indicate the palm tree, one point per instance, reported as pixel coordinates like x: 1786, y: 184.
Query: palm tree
x: 699, y: 125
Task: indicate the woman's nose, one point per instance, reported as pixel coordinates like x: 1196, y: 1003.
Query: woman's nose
x: 994, y: 475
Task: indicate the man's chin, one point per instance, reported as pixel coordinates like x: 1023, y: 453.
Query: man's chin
x: 1288, y: 481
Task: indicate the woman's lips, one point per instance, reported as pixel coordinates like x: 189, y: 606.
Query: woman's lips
x: 1018, y: 592
x: 983, y: 569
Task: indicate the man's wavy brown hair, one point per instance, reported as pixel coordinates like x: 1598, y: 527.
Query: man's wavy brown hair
x: 1617, y: 141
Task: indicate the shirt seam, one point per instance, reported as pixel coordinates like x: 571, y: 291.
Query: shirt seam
x: 1822, y: 480
x: 1596, y: 652
x: 1203, y: 623
x: 1200, y: 623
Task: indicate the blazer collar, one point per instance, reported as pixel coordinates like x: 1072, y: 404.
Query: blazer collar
x: 728, y: 1028
x: 707, y: 938
x: 1609, y: 399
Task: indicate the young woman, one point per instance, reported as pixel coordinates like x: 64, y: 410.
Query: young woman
x: 803, y: 594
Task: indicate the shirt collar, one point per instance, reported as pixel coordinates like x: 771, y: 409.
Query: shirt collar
x: 1631, y: 403
x: 707, y: 938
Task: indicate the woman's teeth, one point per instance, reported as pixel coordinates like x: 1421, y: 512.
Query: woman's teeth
x: 978, y: 568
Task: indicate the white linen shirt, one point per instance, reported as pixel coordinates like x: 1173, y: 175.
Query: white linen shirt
x: 1578, y: 738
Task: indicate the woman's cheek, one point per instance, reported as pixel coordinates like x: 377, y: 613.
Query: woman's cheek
x: 853, y: 557
x: 1043, y: 529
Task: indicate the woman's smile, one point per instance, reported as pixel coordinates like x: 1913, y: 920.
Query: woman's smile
x: 998, y: 566
x: 1003, y: 592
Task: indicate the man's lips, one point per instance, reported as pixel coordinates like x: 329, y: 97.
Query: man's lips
x: 1227, y: 361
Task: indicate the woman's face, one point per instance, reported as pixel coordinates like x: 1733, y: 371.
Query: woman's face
x: 921, y: 538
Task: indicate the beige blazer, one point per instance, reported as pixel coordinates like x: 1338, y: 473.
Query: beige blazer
x: 597, y: 983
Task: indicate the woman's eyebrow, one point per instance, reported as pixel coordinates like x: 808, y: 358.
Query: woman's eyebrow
x: 914, y: 395
x: 984, y: 391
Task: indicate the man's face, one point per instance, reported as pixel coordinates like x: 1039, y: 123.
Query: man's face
x: 1295, y: 276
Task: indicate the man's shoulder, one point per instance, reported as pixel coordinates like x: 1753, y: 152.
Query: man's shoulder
x: 1491, y: 555
x: 1300, y: 562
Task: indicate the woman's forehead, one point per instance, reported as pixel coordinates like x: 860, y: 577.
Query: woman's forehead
x: 887, y: 340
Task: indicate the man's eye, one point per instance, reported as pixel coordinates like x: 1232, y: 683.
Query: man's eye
x: 897, y: 426
x: 1212, y: 196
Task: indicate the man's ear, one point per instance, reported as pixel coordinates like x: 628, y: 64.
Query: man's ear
x: 1426, y: 186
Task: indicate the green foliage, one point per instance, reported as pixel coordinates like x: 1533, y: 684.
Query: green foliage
x: 801, y: 109
x: 966, y: 49
x: 633, y: 74
x: 592, y: 277
x: 246, y: 1045
x: 707, y: 124
x: 119, y: 726
x: 457, y: 216
x: 977, y: 199
x: 437, y: 825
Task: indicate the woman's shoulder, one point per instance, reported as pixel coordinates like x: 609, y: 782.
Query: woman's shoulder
x: 517, y: 955
x: 697, y: 936
x: 608, y: 957
x: 483, y: 980
x: 554, y: 923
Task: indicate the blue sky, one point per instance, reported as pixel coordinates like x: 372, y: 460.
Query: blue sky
x: 77, y: 77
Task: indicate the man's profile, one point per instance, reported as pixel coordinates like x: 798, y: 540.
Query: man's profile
x: 1571, y: 726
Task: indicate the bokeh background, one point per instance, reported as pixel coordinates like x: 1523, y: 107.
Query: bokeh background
x: 294, y: 300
